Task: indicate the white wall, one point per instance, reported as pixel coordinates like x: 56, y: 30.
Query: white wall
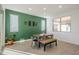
x: 49, y: 25
x: 0, y: 23
x: 73, y: 36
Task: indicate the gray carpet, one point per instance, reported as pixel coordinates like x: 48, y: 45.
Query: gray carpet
x: 63, y: 48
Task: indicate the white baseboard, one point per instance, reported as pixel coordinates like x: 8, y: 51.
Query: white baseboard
x: 69, y: 41
x: 23, y: 40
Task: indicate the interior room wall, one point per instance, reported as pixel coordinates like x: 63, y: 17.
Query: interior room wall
x: 25, y: 30
x: 73, y: 36
x: 49, y: 25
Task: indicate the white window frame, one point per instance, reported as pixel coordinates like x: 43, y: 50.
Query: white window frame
x: 14, y: 23
x: 66, y: 18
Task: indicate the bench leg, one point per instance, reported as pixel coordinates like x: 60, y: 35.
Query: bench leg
x: 44, y: 47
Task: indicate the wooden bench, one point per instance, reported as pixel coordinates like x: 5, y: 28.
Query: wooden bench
x: 46, y: 42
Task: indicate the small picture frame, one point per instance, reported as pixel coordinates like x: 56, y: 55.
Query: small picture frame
x: 33, y: 23
x: 29, y: 23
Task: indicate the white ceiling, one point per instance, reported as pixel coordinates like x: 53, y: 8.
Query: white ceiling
x: 37, y: 9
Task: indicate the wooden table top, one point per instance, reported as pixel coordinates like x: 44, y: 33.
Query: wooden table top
x: 46, y: 41
x: 37, y: 35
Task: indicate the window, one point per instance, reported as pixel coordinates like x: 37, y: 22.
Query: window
x: 62, y: 24
x: 13, y: 23
x: 57, y: 24
x: 43, y: 25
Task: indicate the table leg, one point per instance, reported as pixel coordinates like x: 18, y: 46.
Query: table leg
x: 39, y: 45
x: 56, y: 42
x: 50, y: 45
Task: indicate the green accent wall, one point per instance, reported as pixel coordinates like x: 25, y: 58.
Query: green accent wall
x: 25, y: 31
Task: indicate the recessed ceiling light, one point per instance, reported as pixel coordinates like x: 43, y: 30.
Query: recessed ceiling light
x: 60, y: 6
x: 29, y: 8
x: 44, y: 8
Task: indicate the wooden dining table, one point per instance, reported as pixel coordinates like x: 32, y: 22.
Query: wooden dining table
x: 42, y: 36
x: 44, y: 40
